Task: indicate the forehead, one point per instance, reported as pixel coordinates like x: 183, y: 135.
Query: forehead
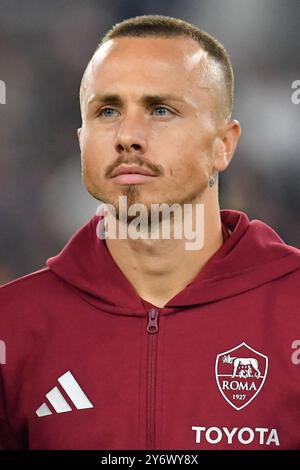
x: 178, y: 63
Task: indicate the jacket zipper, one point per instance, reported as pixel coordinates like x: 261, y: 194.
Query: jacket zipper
x: 152, y: 328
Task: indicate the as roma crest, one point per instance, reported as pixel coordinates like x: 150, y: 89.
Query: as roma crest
x: 240, y: 374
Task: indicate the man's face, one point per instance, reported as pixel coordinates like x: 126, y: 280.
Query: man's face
x: 148, y: 102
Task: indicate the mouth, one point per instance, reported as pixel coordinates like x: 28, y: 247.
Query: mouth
x: 132, y: 175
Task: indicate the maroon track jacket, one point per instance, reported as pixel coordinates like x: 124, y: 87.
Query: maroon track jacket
x: 87, y: 364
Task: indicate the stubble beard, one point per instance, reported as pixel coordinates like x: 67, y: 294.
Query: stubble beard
x: 132, y: 193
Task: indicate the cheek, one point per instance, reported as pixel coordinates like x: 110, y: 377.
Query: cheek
x: 192, y: 158
x: 94, y: 152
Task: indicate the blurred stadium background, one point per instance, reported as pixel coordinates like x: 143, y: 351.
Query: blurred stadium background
x: 44, y: 48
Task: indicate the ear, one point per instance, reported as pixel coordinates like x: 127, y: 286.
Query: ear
x: 225, y: 144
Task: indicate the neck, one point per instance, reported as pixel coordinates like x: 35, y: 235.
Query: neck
x: 160, y: 269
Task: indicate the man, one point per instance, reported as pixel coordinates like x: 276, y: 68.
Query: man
x: 141, y: 343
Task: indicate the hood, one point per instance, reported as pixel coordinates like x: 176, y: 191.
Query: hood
x: 253, y: 255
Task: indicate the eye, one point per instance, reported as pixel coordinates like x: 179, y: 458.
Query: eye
x: 108, y: 112
x: 162, y: 111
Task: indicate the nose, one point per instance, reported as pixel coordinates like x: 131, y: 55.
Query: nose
x: 131, y: 135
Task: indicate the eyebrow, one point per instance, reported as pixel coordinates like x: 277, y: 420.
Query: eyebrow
x: 145, y: 99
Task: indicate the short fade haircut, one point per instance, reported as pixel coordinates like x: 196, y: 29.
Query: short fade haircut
x: 168, y: 27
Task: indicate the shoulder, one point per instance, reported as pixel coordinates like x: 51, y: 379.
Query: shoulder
x: 25, y: 286
x: 22, y: 299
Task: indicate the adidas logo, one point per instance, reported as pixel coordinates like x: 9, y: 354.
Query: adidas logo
x: 58, y: 401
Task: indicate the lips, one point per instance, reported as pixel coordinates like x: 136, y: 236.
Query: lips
x: 132, y: 174
x: 132, y: 169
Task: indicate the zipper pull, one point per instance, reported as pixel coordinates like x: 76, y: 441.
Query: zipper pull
x: 153, y: 321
